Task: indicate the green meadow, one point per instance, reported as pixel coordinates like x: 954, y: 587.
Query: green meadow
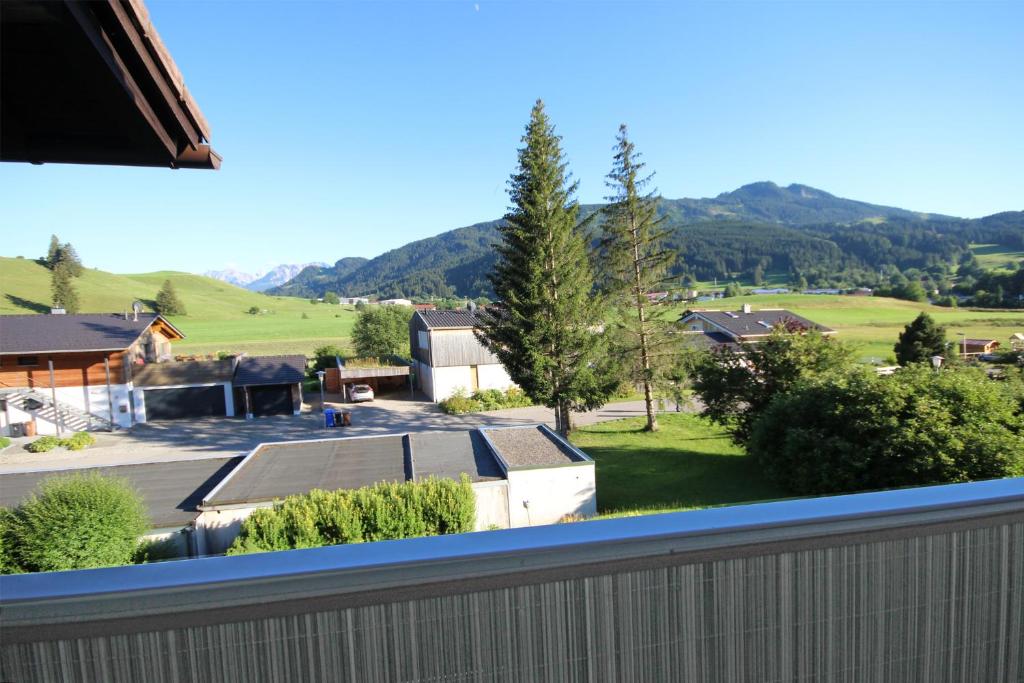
x: 997, y: 256
x: 218, y: 317
x: 874, y: 323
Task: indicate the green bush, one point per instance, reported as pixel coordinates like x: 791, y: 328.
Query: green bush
x: 76, y: 522
x: 78, y: 441
x: 155, y: 551
x: 486, y: 399
x: 43, y: 444
x: 8, y: 565
x: 381, y: 512
x: 4, y: 442
x: 863, y: 432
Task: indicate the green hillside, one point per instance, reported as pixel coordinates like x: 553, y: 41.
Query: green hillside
x: 217, y: 320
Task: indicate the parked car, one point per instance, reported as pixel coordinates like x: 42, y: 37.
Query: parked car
x: 360, y: 392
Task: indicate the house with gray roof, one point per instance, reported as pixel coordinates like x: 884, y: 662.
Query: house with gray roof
x: 717, y: 328
x: 61, y: 373
x: 521, y: 476
x: 447, y: 355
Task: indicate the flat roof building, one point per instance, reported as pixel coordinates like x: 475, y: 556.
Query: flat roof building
x: 521, y: 476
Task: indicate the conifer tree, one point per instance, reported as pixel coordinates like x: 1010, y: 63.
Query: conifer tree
x: 62, y: 288
x: 545, y: 330
x: 920, y: 340
x: 635, y: 265
x: 167, y: 301
x: 69, y: 257
x: 53, y: 253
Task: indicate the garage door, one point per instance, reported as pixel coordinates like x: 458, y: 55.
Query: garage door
x: 271, y: 400
x: 175, y: 404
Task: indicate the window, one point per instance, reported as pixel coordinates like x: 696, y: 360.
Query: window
x: 25, y: 361
x: 422, y: 337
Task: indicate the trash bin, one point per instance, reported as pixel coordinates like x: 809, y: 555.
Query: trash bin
x: 329, y: 418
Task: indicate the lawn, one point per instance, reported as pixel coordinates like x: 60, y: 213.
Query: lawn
x: 689, y: 463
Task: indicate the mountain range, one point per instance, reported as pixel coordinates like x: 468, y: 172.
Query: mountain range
x: 263, y: 280
x: 760, y: 227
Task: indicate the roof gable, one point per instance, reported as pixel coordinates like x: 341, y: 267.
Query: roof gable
x: 263, y: 370
x: 754, y: 324
x: 449, y: 319
x: 76, y: 332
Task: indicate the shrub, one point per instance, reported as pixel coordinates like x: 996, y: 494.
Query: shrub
x: 78, y: 441
x: 254, y: 310
x: 43, y: 444
x: 8, y: 565
x: 77, y: 522
x: 155, y: 551
x: 381, y: 512
x: 913, y: 428
x: 486, y: 399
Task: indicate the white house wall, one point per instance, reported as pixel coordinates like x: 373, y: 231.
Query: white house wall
x: 91, y: 399
x: 445, y: 381
x: 494, y: 376
x: 545, y: 496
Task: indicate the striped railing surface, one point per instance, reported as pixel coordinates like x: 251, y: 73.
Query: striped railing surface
x: 922, y: 584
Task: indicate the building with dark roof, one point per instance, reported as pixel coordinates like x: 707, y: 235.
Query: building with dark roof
x: 448, y: 356
x: 269, y: 385
x: 521, y: 476
x: 62, y: 372
x: 745, y: 326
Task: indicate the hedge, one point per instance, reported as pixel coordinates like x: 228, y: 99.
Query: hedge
x: 74, y: 522
x: 381, y: 512
x: 483, y: 400
x: 914, y: 428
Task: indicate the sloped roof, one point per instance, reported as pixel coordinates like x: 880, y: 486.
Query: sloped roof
x: 73, y: 332
x: 449, y: 319
x: 184, y: 372
x: 262, y: 370
x: 755, y: 323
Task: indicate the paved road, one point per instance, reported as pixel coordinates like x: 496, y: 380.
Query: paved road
x: 225, y: 437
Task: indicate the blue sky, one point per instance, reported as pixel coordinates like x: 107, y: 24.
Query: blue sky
x: 348, y: 129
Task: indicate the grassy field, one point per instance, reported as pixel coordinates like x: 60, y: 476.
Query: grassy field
x: 689, y: 463
x: 997, y: 256
x: 217, y: 320
x: 874, y: 323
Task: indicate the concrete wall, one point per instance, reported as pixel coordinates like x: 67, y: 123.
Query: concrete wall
x: 216, y: 529
x: 545, y: 496
x: 491, y: 505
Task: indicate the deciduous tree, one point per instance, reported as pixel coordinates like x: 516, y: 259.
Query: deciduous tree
x: 382, y: 331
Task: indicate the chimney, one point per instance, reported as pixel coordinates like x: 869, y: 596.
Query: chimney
x: 746, y: 308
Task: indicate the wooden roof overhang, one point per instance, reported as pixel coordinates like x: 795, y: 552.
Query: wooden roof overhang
x: 92, y: 83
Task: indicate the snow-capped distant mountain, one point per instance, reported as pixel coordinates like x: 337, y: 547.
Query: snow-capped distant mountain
x: 262, y: 280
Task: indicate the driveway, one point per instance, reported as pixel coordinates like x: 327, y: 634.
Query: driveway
x: 226, y: 437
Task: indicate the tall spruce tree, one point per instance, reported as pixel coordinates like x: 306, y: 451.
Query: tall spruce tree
x: 545, y: 330
x: 167, y: 301
x: 635, y: 264
x: 62, y: 288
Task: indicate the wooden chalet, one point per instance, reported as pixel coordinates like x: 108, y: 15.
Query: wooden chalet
x: 72, y: 372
